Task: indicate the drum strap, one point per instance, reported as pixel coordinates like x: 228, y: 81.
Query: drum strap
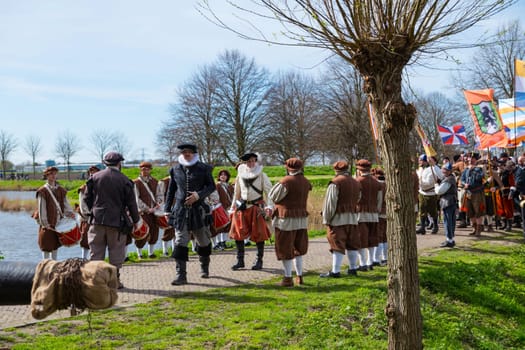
x: 54, y: 199
x: 149, y: 190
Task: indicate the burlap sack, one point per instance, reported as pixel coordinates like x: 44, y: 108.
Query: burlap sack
x: 59, y: 285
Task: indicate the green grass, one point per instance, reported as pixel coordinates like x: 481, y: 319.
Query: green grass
x: 472, y: 298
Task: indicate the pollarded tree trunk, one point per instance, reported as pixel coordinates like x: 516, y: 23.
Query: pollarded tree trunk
x: 395, y: 120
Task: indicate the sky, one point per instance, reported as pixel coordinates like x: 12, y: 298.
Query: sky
x: 83, y: 66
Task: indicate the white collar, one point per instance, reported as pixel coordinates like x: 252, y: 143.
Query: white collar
x: 184, y: 162
x: 249, y: 173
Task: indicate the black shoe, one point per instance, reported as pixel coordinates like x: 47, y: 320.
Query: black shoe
x: 352, y: 272
x: 376, y: 263
x: 331, y: 274
x: 383, y: 263
x: 258, y: 265
x: 420, y: 231
x: 237, y: 266
x: 120, y: 285
x: 447, y: 244
x: 152, y: 256
x: 247, y: 244
x: 179, y: 281
x: 363, y: 268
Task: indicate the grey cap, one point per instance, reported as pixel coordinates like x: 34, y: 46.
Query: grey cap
x: 113, y: 158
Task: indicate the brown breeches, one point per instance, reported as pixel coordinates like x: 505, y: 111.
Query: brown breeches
x: 289, y: 244
x: 343, y: 238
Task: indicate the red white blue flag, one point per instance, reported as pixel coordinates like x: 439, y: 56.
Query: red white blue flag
x: 453, y: 135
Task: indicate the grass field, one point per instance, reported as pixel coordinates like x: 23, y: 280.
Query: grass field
x: 471, y: 298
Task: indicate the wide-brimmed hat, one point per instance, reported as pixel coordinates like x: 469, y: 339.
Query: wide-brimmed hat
x: 245, y: 157
x: 113, y: 158
x: 187, y: 146
x: 341, y: 165
x: 294, y: 164
x: 363, y: 164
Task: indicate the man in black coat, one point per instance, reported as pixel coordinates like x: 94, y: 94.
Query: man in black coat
x: 191, y: 182
x: 109, y: 196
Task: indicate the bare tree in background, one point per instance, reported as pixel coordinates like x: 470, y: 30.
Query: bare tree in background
x: 33, y: 147
x: 345, y: 107
x: 101, y: 140
x: 8, y: 145
x: 492, y: 65
x: 197, y: 110
x: 121, y: 144
x: 67, y: 145
x: 379, y: 38
x: 167, y: 141
x: 296, y: 116
x: 241, y: 96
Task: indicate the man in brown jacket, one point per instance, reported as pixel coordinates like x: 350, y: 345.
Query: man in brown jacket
x: 290, y: 220
x: 109, y: 197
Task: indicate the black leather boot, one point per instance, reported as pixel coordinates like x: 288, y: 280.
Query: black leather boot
x: 260, y: 253
x: 180, y: 278
x: 240, y: 255
x: 205, y: 266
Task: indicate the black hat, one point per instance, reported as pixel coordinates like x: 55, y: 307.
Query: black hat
x: 188, y: 146
x: 245, y: 157
x: 113, y: 158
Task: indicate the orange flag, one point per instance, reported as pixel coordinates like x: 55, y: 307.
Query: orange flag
x: 488, y: 126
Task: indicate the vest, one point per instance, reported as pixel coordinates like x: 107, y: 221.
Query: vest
x: 349, y: 190
x: 450, y: 197
x: 293, y: 205
x: 60, y: 195
x: 370, y: 187
x: 143, y: 192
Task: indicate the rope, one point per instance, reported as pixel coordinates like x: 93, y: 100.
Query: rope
x: 69, y: 278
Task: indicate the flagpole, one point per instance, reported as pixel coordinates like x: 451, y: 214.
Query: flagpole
x: 514, y: 112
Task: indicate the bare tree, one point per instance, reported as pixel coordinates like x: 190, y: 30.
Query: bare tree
x: 8, y: 144
x: 121, y: 143
x: 102, y: 140
x: 436, y: 108
x: 380, y: 38
x: 197, y: 110
x: 167, y: 141
x: 67, y: 145
x: 295, y: 114
x: 347, y: 118
x: 241, y: 97
x: 33, y: 147
x: 492, y: 65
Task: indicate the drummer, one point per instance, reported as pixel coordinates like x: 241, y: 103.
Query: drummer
x: 148, y: 201
x: 51, y: 207
x: 84, y: 214
x: 168, y: 237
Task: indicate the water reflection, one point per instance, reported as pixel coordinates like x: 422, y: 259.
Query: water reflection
x: 18, y: 239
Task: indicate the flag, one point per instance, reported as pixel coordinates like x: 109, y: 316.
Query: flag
x: 429, y: 150
x: 487, y: 121
x: 514, y: 121
x: 519, y: 82
x: 453, y: 135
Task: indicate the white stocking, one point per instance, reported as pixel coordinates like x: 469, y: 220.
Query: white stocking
x: 287, y: 266
x: 298, y: 262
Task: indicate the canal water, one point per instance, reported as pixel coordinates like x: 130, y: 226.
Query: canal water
x: 19, y: 231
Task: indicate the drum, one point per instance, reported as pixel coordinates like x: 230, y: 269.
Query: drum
x: 142, y: 232
x: 68, y: 232
x: 161, y: 219
x: 220, y: 217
